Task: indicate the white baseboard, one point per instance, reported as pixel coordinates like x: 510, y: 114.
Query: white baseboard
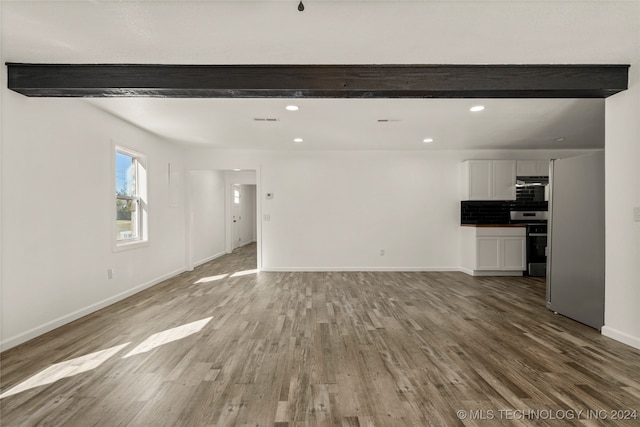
x: 241, y: 245
x: 371, y: 269
x: 623, y: 337
x: 395, y: 269
x: 211, y: 258
x: 477, y: 273
x: 63, y: 320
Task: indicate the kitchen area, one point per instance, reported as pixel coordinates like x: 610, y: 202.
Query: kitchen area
x: 504, y: 217
x: 539, y: 218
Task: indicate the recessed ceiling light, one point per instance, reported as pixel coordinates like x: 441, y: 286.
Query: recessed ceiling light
x: 292, y: 108
x: 477, y: 108
x: 427, y: 140
x: 297, y: 139
x: 237, y: 170
x: 559, y: 139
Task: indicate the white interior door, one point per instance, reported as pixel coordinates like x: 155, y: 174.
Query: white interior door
x: 236, y: 216
x: 247, y: 214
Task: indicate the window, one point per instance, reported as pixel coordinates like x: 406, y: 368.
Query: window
x: 130, y: 198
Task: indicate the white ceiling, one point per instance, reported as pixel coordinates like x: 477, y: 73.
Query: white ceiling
x: 353, y: 124
x: 336, y: 32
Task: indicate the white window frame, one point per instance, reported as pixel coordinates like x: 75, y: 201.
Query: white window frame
x: 142, y: 238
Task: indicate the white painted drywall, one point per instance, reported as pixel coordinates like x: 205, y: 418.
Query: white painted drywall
x: 336, y: 210
x: 622, y: 192
x: 3, y: 81
x: 207, y: 214
x: 57, y: 212
x: 540, y: 32
x: 240, y: 177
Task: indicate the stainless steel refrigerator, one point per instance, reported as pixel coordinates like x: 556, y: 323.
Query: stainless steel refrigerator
x: 575, y: 259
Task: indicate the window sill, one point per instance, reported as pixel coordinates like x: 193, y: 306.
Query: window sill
x: 125, y: 246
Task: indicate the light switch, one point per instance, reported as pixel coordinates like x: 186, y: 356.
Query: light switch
x: 636, y: 214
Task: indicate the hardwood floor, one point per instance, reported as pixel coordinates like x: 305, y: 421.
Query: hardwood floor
x: 224, y: 345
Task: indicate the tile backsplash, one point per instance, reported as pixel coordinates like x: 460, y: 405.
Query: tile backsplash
x: 484, y: 212
x: 530, y: 193
x: 531, y: 188
x: 495, y: 212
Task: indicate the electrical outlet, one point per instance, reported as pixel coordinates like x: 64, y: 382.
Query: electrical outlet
x: 110, y: 273
x: 382, y: 252
x: 266, y: 217
x: 636, y: 214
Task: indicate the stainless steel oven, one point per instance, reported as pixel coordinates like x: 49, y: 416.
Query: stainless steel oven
x: 537, y: 249
x: 536, y: 245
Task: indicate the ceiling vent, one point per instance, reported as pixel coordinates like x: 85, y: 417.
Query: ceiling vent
x: 263, y: 119
x: 388, y: 120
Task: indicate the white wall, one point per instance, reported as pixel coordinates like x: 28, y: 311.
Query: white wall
x: 540, y: 32
x: 248, y: 214
x: 207, y: 189
x: 622, y: 189
x: 247, y: 177
x: 336, y: 210
x: 3, y: 79
x: 57, y: 212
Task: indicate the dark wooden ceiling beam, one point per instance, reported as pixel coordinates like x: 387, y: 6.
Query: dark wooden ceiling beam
x: 317, y: 81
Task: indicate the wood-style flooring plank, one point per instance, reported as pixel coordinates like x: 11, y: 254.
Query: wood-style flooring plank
x: 210, y: 348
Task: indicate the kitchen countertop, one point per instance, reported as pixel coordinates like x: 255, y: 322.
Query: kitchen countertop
x: 493, y: 225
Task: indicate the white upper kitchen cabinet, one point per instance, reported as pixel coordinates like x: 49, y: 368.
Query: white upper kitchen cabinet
x: 477, y: 180
x: 533, y: 168
x: 504, y: 179
x: 489, y: 180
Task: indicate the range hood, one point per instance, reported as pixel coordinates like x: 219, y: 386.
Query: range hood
x: 532, y: 181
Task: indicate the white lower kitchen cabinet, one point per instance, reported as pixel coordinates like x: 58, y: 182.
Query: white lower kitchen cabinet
x: 493, y: 251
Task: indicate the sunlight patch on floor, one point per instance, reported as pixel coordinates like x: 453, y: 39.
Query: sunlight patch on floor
x: 167, y: 336
x: 65, y: 369
x: 244, y: 273
x: 211, y: 279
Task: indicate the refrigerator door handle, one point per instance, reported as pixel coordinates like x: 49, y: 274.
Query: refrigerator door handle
x: 552, y: 164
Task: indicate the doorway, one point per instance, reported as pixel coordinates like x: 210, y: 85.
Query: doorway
x: 217, y: 198
x: 243, y: 215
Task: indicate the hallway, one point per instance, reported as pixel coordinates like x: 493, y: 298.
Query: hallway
x: 225, y: 345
